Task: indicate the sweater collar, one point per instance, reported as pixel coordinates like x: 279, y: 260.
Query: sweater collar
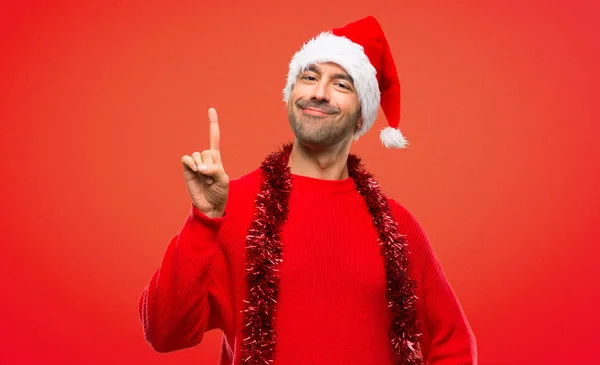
x: 316, y: 185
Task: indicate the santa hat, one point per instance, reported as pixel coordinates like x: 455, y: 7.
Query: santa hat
x: 363, y: 51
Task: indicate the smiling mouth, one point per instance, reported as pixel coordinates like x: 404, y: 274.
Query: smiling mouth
x: 314, y: 111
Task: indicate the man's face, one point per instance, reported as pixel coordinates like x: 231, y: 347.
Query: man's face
x: 323, y: 108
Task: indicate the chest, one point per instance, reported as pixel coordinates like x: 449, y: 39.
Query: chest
x: 332, y: 246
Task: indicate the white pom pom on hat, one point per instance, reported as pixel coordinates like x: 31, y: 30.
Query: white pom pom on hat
x: 361, y: 48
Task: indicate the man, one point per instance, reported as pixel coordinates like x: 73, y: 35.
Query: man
x: 304, y: 260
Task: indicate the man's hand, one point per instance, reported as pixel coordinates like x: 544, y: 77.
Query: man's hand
x: 205, y: 179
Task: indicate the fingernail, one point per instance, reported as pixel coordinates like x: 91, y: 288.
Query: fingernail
x: 202, y: 168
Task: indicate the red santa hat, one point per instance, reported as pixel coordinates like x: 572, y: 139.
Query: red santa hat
x: 361, y: 49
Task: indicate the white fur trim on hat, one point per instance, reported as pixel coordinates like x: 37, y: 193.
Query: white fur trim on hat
x: 327, y: 47
x: 393, y: 138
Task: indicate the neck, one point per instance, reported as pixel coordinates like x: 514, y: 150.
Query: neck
x: 326, y: 164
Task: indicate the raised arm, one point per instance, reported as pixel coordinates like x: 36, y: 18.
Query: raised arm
x: 181, y: 301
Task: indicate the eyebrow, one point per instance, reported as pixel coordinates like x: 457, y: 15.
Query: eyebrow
x: 340, y: 76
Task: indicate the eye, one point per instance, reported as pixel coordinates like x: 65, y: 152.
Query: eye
x: 343, y: 86
x: 309, y: 78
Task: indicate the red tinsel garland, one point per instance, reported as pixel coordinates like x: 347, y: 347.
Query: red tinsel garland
x: 264, y: 253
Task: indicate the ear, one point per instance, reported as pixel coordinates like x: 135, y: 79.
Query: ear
x: 359, y: 124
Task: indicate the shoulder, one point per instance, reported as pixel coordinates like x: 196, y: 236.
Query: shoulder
x: 402, y: 215
x: 243, y: 189
x: 250, y: 180
x: 409, y: 227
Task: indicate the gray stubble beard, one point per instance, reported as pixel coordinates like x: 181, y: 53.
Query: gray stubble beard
x: 329, y: 134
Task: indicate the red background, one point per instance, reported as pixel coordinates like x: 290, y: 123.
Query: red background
x: 100, y: 100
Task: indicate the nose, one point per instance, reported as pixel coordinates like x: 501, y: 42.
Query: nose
x: 320, y: 91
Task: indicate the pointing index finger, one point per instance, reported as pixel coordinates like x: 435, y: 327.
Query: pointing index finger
x: 215, y: 133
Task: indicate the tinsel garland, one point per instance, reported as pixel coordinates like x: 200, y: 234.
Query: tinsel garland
x: 264, y: 252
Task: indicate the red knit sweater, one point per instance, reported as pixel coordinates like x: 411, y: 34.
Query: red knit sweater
x: 332, y: 307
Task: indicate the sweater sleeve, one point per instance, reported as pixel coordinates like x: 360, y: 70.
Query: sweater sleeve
x: 181, y: 301
x: 447, y: 336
